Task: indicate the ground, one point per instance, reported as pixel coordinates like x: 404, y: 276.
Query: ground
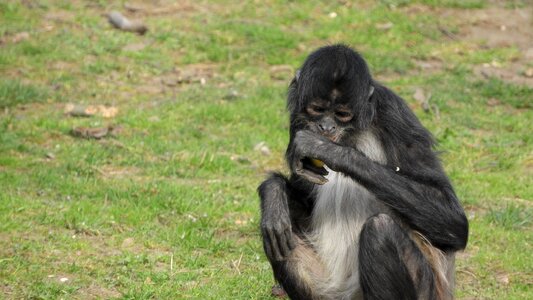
x: 192, y: 116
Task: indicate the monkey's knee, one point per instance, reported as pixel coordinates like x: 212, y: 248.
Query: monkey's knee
x: 274, y: 184
x: 381, y: 224
x: 380, y: 221
x: 380, y: 262
x: 389, y: 258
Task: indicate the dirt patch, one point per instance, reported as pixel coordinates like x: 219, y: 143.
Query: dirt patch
x: 496, y: 27
x: 97, y: 292
x: 62, y: 65
x: 195, y: 73
x: 234, y: 236
x: 110, y: 171
x: 499, y: 27
x: 429, y: 66
x: 6, y: 290
x: 60, y: 16
x: 493, y: 27
x: 514, y: 73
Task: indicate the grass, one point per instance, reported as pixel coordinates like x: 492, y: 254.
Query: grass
x: 13, y: 92
x: 168, y: 208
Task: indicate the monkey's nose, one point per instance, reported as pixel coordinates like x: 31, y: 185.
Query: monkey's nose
x: 327, y: 128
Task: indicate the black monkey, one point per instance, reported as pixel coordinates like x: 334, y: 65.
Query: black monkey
x: 381, y: 219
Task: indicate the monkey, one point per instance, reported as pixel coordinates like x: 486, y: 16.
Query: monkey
x: 380, y: 219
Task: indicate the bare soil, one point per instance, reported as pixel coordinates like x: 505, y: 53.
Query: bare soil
x: 499, y: 27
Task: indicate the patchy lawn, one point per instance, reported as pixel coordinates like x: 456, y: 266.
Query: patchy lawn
x: 191, y: 116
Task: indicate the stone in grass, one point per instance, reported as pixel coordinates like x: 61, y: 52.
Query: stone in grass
x: 121, y: 22
x: 95, y: 132
x: 263, y: 148
x: 80, y: 110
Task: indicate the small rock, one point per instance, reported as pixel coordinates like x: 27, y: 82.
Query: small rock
x: 263, y: 148
x: 121, y: 22
x: 50, y: 155
x: 95, y: 132
x: 332, y: 15
x: 63, y: 279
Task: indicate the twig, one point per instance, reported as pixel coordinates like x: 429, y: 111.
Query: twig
x: 237, y: 264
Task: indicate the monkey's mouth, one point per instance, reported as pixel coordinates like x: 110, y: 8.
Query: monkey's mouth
x: 334, y: 138
x: 309, y: 165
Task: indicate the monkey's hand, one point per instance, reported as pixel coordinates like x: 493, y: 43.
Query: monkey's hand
x: 307, y: 146
x: 278, y: 241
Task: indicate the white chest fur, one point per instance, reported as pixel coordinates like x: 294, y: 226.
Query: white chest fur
x: 342, y: 206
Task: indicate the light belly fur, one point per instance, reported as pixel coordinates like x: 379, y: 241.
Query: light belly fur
x: 342, y: 207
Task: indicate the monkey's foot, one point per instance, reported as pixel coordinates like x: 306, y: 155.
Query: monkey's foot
x: 278, y: 291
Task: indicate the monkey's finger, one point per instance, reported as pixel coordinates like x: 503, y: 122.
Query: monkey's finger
x: 267, y: 246
x: 274, y: 245
x: 283, y: 245
x: 291, y: 242
x: 311, y: 176
x: 298, y: 165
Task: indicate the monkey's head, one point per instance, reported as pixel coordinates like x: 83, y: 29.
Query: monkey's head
x: 332, y: 93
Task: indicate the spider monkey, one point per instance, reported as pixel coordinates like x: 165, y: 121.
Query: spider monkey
x: 380, y: 220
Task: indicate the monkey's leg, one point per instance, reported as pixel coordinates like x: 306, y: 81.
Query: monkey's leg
x: 299, y: 272
x: 391, y: 264
x: 293, y: 261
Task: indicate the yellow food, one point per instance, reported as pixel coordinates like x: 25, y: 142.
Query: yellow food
x: 317, y: 163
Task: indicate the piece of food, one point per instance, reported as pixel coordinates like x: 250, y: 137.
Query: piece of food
x: 317, y: 163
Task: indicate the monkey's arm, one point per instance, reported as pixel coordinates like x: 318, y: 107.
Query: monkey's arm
x: 428, y: 205
x: 285, y: 209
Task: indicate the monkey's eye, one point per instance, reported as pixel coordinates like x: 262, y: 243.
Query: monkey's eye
x: 343, y: 116
x: 315, y: 110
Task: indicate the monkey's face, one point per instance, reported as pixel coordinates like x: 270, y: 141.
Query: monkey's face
x: 331, y: 95
x: 329, y: 116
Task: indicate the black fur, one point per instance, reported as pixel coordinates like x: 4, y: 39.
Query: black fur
x: 384, y: 254
x: 412, y: 183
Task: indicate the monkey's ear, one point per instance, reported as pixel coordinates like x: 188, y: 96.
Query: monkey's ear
x: 371, y: 92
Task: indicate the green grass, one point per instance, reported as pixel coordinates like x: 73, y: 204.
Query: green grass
x: 168, y: 208
x: 13, y: 92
